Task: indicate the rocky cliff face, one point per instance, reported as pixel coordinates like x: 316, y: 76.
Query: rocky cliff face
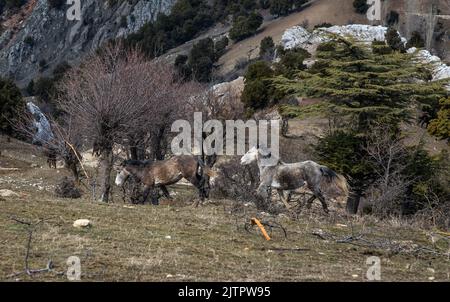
x: 39, y: 37
x: 431, y: 18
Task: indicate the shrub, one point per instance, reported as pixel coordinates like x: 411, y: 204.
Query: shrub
x: 266, y: 48
x: 394, y: 40
x: 258, y: 70
x: 221, y: 46
x: 11, y: 103
x: 292, y: 60
x: 325, y: 24
x: 255, y: 94
x: 416, y: 40
x: 440, y: 126
x: 238, y: 183
x: 361, y: 6
x: 67, y: 189
x: 244, y: 27
x: 392, y: 18
x: 280, y: 7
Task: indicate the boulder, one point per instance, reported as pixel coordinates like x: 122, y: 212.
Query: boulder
x: 82, y: 223
x: 8, y: 193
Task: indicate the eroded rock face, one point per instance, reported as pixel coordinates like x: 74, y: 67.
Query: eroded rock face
x: 297, y: 36
x: 45, y: 37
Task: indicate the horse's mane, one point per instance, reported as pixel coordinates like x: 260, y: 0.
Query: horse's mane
x: 136, y: 163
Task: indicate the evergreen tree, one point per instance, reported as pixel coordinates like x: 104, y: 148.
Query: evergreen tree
x: 245, y: 26
x: 364, y: 84
x: 360, y: 6
x: 369, y: 88
x: 416, y: 40
x: 440, y: 126
x: 267, y: 48
x: 11, y: 103
x: 394, y: 40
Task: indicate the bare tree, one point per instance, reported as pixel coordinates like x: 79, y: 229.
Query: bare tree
x: 119, y: 97
x: 387, y: 152
x: 221, y: 102
x: 63, y: 144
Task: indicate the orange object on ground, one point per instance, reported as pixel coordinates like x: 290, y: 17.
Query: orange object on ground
x: 261, y: 227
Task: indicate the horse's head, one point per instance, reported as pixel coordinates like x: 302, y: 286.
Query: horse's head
x: 250, y: 156
x: 122, y: 174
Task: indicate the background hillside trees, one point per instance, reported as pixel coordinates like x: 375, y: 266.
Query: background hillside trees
x: 440, y: 126
x: 245, y: 26
x: 198, y: 65
x: 360, y: 6
x: 11, y: 103
x: 369, y: 89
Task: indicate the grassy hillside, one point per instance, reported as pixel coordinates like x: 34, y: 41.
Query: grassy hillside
x: 177, y: 242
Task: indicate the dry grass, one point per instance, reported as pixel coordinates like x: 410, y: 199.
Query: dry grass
x: 205, y: 244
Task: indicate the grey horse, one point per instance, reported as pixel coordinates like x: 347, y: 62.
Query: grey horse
x: 289, y: 177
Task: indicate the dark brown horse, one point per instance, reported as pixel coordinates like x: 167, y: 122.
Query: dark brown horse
x: 159, y: 174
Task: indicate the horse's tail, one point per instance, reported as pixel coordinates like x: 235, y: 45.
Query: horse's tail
x: 335, y: 180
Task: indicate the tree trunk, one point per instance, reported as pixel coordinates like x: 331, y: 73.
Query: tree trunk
x: 105, y: 174
x: 353, y: 202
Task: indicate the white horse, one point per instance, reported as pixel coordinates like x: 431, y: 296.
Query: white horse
x: 288, y: 177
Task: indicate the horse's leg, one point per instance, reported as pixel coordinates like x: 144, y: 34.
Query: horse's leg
x: 196, y: 182
x: 288, y: 198
x: 165, y: 192
x: 281, y: 194
x: 319, y: 195
x: 310, y: 201
x: 147, y: 190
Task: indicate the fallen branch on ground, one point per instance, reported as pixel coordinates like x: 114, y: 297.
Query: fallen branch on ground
x: 31, y: 228
x: 393, y: 246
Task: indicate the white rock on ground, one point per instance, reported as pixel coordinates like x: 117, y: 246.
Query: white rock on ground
x: 82, y: 223
x: 440, y: 69
x: 8, y: 193
x: 298, y: 36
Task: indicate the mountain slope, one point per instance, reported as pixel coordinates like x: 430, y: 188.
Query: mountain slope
x: 39, y: 37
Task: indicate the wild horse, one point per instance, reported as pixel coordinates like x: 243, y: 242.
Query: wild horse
x: 289, y: 177
x: 159, y: 174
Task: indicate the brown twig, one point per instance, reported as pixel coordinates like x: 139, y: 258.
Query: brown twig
x: 31, y: 228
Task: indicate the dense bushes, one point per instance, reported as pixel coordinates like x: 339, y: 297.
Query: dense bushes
x: 266, y: 49
x: 44, y: 88
x: 245, y: 26
x: 187, y: 19
x: 257, y: 92
x: 440, y: 126
x: 394, y: 40
x: 360, y: 6
x: 416, y: 40
x: 199, y: 64
x: 284, y: 7
x: 11, y: 103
